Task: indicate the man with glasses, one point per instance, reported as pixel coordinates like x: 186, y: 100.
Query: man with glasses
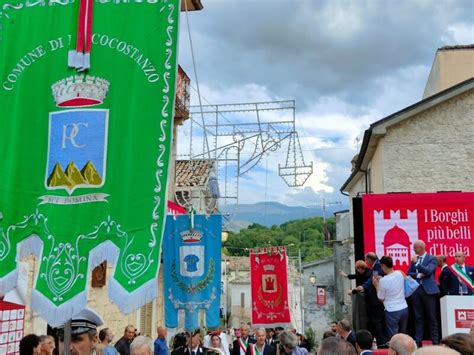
x: 83, y: 333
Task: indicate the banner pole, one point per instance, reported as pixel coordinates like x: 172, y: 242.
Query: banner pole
x: 301, y: 292
x: 67, y: 338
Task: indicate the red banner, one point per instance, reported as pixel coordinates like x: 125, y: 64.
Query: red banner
x: 321, y: 296
x: 12, y: 318
x: 444, y: 221
x: 463, y: 318
x: 269, y: 285
x: 174, y: 209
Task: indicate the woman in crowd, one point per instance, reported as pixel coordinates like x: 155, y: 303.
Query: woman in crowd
x: 359, y: 312
x: 30, y: 345
x: 288, y: 344
x: 216, y: 342
x: 47, y: 344
x: 462, y: 342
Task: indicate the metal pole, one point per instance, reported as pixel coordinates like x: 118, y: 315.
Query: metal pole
x: 225, y: 288
x: 301, y: 292
x: 67, y: 338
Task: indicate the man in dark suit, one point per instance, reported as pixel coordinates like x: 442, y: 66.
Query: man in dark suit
x: 443, y: 276
x: 364, y: 342
x: 260, y: 347
x: 424, y: 299
x: 374, y: 307
x: 269, y: 337
x: 193, y: 346
x: 240, y: 345
x: 460, y: 277
x: 345, y: 331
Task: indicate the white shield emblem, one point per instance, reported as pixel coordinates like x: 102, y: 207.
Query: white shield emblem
x: 191, y: 260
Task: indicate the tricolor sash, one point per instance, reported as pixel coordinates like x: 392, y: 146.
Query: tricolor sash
x: 243, y: 345
x: 254, y: 349
x: 462, y: 276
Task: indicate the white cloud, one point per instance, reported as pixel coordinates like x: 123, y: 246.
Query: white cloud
x: 459, y: 33
x: 346, y: 63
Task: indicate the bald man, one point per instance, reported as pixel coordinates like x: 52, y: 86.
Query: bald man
x: 160, y: 343
x: 436, y: 350
x: 401, y: 344
x: 461, y: 276
x: 424, y: 299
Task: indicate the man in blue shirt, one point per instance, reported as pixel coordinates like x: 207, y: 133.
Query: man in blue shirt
x: 160, y: 343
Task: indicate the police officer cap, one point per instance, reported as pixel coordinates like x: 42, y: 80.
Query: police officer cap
x: 84, y: 321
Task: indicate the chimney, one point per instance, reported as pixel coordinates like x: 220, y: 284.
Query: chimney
x: 452, y: 65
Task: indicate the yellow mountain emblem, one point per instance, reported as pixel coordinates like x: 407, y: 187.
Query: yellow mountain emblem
x: 90, y: 174
x: 74, y: 174
x: 57, y: 177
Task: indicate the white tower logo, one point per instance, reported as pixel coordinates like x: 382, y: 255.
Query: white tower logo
x: 395, y: 236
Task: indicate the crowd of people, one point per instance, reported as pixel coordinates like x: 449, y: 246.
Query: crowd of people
x: 37, y: 345
x: 340, y: 339
x: 381, y: 317
x: 380, y: 301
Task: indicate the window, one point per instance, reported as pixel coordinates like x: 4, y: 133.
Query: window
x: 146, y: 319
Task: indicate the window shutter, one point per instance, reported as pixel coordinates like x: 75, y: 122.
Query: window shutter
x: 146, y: 318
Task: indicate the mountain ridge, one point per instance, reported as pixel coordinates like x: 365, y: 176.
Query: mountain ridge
x: 273, y: 213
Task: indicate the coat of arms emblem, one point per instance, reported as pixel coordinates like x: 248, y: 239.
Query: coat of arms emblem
x: 77, y: 143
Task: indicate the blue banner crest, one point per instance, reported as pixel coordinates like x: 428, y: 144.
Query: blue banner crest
x: 77, y: 149
x: 192, y: 269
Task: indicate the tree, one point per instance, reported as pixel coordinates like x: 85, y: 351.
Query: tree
x: 306, y: 235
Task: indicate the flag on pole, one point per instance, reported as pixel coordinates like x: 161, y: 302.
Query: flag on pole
x: 192, y: 269
x: 87, y: 100
x: 269, y: 283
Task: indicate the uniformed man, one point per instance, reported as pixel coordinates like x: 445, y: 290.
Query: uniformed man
x: 83, y: 333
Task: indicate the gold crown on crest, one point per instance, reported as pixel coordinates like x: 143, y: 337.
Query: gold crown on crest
x: 191, y: 236
x: 79, y: 91
x: 269, y: 267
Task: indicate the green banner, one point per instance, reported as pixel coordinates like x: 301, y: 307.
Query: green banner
x: 85, y: 152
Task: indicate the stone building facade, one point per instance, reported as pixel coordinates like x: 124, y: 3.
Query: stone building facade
x: 316, y: 274
x: 426, y: 147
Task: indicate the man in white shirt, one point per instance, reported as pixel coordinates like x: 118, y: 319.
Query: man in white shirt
x: 391, y: 291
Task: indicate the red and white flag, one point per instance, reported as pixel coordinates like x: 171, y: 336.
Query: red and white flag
x: 269, y: 283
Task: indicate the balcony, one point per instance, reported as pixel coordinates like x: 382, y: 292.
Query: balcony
x: 182, y: 96
x: 191, y: 5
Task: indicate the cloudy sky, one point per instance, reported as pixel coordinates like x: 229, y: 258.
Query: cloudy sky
x: 345, y: 63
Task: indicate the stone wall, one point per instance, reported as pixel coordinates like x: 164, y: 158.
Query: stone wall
x: 319, y: 317
x: 432, y: 151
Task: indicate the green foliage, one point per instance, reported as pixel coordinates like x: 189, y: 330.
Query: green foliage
x: 310, y: 337
x: 304, y: 234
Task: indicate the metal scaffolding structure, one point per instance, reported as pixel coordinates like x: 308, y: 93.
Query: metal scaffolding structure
x: 235, y: 138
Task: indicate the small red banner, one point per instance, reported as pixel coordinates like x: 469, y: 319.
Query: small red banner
x: 175, y: 209
x: 269, y: 283
x: 464, y: 317
x: 321, y: 296
x: 444, y: 221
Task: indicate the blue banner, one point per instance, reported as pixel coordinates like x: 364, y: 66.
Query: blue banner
x: 192, y: 269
